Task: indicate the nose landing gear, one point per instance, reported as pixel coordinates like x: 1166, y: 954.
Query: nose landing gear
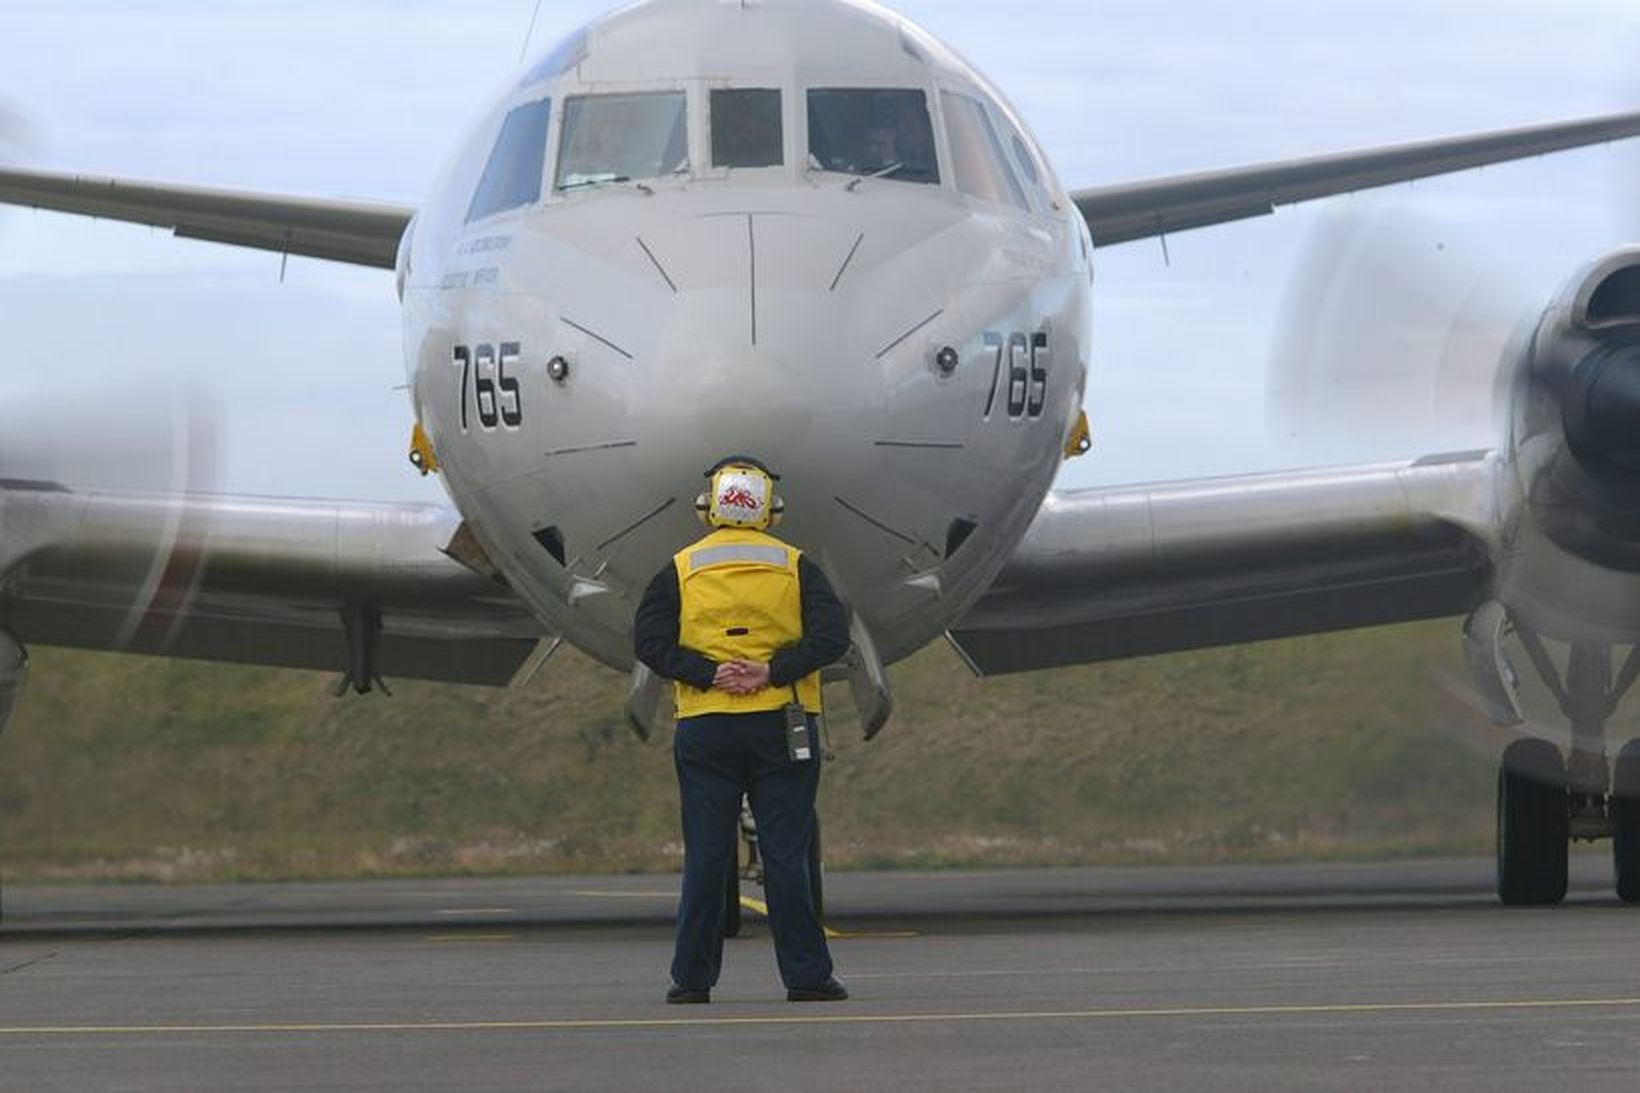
x: 752, y: 871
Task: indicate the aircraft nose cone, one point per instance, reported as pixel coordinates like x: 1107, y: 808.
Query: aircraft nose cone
x: 754, y: 354
x: 758, y: 407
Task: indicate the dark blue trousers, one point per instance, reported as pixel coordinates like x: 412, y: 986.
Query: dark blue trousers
x: 719, y: 757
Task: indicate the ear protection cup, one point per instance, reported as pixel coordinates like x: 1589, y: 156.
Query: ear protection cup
x: 703, y: 509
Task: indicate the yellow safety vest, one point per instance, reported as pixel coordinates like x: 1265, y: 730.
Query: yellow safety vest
x: 740, y: 600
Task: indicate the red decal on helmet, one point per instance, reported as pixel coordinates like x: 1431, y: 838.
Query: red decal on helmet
x: 737, y: 497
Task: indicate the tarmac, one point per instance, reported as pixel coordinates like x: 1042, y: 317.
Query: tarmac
x: 1348, y: 977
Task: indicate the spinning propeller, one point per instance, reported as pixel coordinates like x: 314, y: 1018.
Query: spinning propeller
x: 71, y: 425
x: 1397, y: 343
x: 1389, y: 343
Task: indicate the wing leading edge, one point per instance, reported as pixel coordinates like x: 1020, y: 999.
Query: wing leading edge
x: 363, y: 233
x: 1107, y: 574
x: 1140, y: 210
x: 360, y: 588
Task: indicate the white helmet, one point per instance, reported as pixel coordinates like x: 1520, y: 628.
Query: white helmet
x: 741, y: 495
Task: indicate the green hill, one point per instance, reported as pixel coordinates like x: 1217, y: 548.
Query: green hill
x: 1339, y: 746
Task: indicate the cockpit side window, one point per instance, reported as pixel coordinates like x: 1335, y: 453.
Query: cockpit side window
x: 1031, y: 172
x: 977, y: 157
x: 512, y: 177
x: 1027, y: 162
x: 746, y: 129
x: 873, y: 131
x: 621, y: 138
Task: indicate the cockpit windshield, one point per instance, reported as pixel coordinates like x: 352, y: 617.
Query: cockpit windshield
x: 512, y: 177
x: 622, y: 138
x: 878, y: 132
x: 746, y: 130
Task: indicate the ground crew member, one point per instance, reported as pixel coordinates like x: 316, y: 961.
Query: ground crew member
x: 743, y: 623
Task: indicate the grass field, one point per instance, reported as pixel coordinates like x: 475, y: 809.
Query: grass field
x: 1332, y: 747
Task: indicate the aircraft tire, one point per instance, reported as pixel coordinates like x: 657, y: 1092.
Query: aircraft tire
x: 817, y: 872
x: 731, y: 895
x: 1625, y: 808
x: 1533, y: 825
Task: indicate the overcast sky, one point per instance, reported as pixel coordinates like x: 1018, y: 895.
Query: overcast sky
x: 364, y: 98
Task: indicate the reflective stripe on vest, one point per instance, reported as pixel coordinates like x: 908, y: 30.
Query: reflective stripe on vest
x: 738, y: 552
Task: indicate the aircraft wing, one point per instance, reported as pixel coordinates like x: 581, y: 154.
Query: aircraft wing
x: 1110, y: 573
x: 1139, y: 210
x: 368, y: 233
x: 362, y: 233
x: 298, y: 584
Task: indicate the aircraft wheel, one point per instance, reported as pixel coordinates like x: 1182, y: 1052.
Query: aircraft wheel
x: 1626, y: 822
x: 1533, y: 824
x: 817, y: 872
x: 731, y: 895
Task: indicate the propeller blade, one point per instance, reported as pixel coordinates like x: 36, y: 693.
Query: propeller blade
x: 18, y: 139
x: 15, y: 131
x: 1388, y: 343
x: 151, y: 438
x: 91, y: 429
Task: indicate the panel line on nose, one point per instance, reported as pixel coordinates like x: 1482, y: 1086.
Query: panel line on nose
x: 751, y: 238
x: 660, y: 269
x: 897, y: 342
x: 842, y: 269
x: 876, y: 523
x: 581, y: 449
x: 600, y: 339
x: 636, y: 524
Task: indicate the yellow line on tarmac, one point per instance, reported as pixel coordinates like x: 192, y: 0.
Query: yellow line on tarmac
x: 870, y: 935
x: 1346, y: 1009
x: 446, y: 938
x: 831, y: 935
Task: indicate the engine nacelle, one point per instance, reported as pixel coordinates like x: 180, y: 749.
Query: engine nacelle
x: 1577, y: 418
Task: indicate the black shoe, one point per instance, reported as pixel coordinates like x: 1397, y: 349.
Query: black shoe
x: 829, y: 991
x: 686, y: 996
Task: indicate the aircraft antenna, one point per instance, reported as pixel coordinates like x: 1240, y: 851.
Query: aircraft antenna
x: 530, y: 33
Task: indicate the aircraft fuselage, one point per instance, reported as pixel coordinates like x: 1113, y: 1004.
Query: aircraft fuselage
x: 905, y: 346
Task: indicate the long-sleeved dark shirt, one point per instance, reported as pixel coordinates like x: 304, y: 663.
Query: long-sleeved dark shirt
x: 655, y: 632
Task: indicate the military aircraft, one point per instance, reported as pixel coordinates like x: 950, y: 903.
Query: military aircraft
x: 808, y: 230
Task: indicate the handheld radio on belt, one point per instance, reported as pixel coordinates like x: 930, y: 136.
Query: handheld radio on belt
x: 799, y: 748
x: 799, y: 745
